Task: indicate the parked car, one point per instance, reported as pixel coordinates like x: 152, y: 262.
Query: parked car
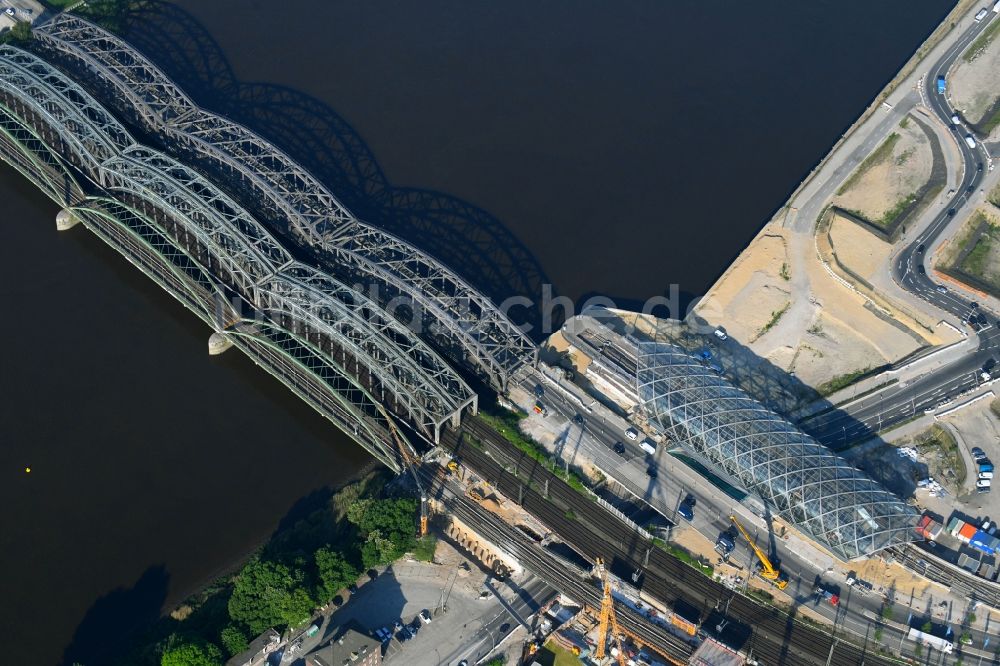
x: 632, y: 434
x: 686, y: 511
x: 977, y: 452
x: 983, y: 483
x: 425, y: 616
x: 721, y: 333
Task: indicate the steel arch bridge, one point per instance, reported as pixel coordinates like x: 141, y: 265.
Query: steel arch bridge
x: 450, y: 313
x: 333, y: 346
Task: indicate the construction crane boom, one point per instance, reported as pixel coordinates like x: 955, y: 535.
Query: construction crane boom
x: 768, y: 571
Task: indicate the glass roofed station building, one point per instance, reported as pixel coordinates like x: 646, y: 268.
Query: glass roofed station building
x: 807, y: 484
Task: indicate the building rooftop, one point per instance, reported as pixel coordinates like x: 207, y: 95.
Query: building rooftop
x: 349, y: 645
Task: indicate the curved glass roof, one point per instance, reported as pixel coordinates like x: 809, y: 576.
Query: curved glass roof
x: 805, y: 482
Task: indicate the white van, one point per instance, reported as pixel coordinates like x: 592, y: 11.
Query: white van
x: 648, y: 445
x: 986, y: 475
x: 983, y: 483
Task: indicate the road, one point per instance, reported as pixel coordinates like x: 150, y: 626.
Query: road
x: 867, y: 417
x: 532, y: 595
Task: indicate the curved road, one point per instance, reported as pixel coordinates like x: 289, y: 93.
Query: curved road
x: 866, y: 417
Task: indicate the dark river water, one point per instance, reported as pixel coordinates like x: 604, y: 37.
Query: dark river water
x: 600, y: 147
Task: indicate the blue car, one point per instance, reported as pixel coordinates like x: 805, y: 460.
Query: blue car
x: 686, y: 511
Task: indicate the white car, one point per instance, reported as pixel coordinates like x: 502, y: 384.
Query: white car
x: 632, y: 434
x: 983, y: 483
x: 721, y: 333
x: 986, y: 475
x: 425, y: 617
x: 648, y: 445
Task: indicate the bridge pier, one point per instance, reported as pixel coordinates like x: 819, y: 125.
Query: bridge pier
x: 218, y: 343
x: 66, y: 220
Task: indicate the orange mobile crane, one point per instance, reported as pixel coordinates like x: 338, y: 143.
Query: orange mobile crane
x: 410, y: 459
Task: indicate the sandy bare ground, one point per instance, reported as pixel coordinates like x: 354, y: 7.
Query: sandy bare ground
x: 975, y: 85
x: 861, y: 251
x: 898, y: 173
x: 835, y: 330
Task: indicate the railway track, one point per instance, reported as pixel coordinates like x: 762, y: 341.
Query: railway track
x: 777, y: 638
x: 567, y: 578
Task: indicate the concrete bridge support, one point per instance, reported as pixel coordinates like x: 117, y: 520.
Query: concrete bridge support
x: 218, y: 343
x: 66, y: 220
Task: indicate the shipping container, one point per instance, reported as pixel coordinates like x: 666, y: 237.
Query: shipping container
x: 954, y: 526
x: 934, y: 530
x: 967, y: 532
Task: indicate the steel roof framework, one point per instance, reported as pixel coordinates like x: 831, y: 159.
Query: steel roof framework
x: 804, y: 481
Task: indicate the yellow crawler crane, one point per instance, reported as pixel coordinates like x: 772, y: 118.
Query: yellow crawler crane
x: 767, y: 570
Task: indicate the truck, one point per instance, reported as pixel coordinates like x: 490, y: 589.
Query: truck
x: 940, y: 85
x: 970, y: 141
x: 940, y: 644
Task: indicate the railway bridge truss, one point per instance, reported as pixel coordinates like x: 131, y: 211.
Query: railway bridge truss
x: 337, y: 348
x: 449, y: 313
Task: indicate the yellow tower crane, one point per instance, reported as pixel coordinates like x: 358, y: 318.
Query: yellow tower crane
x: 607, y: 617
x: 767, y: 571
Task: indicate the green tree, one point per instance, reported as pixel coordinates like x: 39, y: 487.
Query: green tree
x: 927, y: 627
x: 21, y: 31
x: 268, y: 594
x: 190, y: 652
x: 388, y: 527
x: 334, y: 573
x: 234, y: 639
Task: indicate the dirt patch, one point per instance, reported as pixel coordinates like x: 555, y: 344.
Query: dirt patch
x: 756, y: 286
x: 857, y: 249
x: 888, y: 181
x: 975, y: 81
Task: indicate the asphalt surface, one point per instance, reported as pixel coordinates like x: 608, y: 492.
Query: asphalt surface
x: 867, y: 417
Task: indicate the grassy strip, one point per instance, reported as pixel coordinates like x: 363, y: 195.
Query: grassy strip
x: 990, y: 123
x: 507, y: 425
x: 975, y: 261
x: 885, y: 222
x: 981, y: 43
x: 685, y: 557
x: 842, y: 381
x: 877, y: 157
x: 775, y: 316
x: 556, y: 655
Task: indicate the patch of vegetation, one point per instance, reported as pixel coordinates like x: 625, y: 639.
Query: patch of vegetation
x: 507, y: 425
x: 684, y: 556
x: 762, y: 595
x: 785, y: 275
x: 987, y: 125
x: 939, y: 440
x: 904, y: 123
x: 982, y: 42
x: 878, y: 634
x: 878, y: 156
x: 302, y: 567
x: 424, y: 550
x: 975, y: 261
x: 570, y: 515
x: 905, y: 156
x: 887, y: 219
x: 842, y: 381
x: 554, y: 654
x: 775, y: 317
